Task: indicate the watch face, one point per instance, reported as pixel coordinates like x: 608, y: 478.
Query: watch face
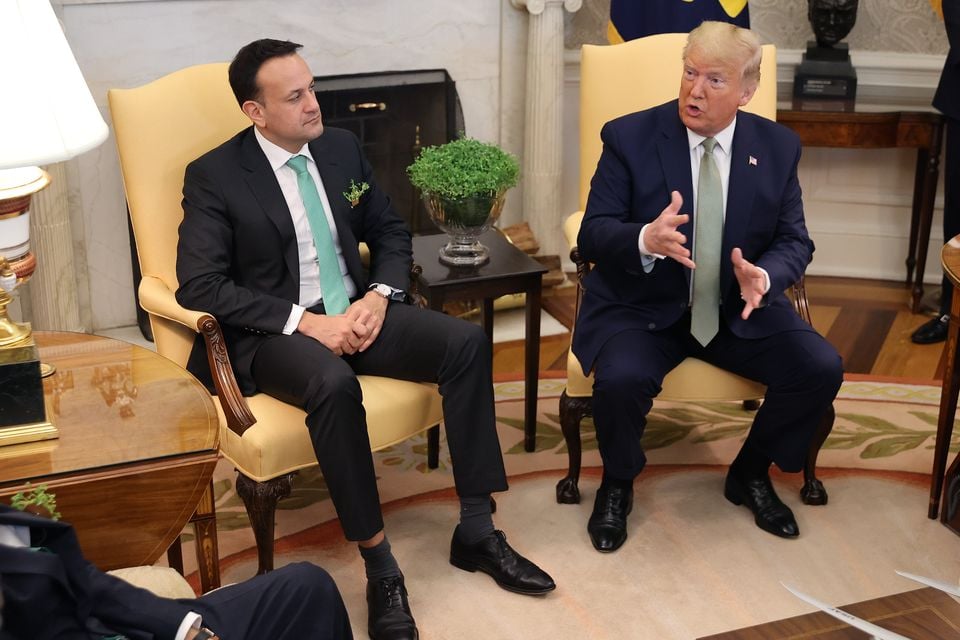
x: 383, y: 290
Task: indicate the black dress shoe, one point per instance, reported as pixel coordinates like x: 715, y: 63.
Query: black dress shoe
x: 608, y: 522
x: 769, y: 512
x: 388, y: 612
x: 494, y: 557
x: 932, y: 331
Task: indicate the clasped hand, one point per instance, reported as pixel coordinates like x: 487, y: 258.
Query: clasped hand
x: 662, y: 237
x: 353, y: 331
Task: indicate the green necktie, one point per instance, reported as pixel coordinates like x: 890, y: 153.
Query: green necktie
x: 335, y: 300
x: 707, y: 241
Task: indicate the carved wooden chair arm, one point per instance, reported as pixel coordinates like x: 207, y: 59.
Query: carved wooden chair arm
x: 158, y: 299
x: 235, y: 409
x: 416, y: 298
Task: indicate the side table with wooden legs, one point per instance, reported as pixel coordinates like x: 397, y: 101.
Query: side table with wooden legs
x: 509, y: 270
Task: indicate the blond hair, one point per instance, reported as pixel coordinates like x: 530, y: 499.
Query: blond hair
x: 728, y: 44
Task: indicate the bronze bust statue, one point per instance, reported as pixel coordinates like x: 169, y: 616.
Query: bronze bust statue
x: 832, y: 20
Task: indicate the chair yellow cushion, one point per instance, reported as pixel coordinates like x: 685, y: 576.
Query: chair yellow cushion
x: 279, y: 442
x: 692, y: 380
x: 160, y: 581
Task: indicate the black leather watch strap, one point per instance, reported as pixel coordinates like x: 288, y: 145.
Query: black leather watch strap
x: 395, y: 295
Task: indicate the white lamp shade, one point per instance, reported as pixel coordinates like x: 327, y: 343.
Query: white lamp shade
x: 47, y: 113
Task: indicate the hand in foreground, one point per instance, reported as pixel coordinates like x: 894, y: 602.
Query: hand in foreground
x: 192, y: 633
x: 369, y: 311
x: 662, y: 237
x: 751, y: 280
x: 341, y: 334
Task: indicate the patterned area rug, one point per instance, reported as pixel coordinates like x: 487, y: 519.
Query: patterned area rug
x: 693, y: 565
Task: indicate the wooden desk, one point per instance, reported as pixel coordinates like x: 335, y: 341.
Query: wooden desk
x: 924, y: 614
x: 136, y: 452
x: 950, y: 516
x: 509, y: 270
x: 920, y: 130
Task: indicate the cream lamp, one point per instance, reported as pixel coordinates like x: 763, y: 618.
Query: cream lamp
x: 47, y: 115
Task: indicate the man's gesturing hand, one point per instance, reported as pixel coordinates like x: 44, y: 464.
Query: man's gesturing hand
x: 662, y: 237
x: 751, y: 280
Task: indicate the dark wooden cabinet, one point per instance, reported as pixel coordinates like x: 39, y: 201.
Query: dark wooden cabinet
x: 394, y: 114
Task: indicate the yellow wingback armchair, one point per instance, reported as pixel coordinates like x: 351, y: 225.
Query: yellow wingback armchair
x: 160, y: 127
x: 616, y: 80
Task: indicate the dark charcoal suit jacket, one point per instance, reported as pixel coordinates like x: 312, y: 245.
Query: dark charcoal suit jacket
x: 237, y: 254
x: 59, y: 594
x: 646, y: 156
x: 947, y: 97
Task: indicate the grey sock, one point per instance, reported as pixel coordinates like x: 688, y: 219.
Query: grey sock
x: 379, y: 561
x: 476, y: 519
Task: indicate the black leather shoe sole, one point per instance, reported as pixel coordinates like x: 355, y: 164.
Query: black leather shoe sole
x: 621, y: 534
x: 931, y: 332
x: 735, y: 494
x: 471, y: 566
x: 388, y: 612
x: 412, y: 634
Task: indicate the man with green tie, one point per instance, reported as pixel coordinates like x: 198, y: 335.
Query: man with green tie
x: 695, y: 226
x: 269, y: 245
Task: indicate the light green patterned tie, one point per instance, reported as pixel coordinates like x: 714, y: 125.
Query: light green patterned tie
x: 707, y: 239
x: 335, y: 300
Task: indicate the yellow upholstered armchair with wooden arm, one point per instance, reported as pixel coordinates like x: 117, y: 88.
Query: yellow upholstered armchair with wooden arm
x: 161, y: 127
x: 616, y: 80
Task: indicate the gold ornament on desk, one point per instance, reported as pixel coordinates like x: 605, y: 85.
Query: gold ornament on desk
x: 49, y: 117
x: 24, y: 416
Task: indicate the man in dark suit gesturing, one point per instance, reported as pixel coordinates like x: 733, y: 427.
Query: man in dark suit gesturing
x: 49, y: 590
x: 695, y: 225
x: 269, y: 245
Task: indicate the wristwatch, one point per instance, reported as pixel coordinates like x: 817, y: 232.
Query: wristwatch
x: 204, y: 634
x: 388, y: 292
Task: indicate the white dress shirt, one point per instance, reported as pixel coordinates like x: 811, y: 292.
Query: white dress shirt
x: 721, y: 157
x: 310, y: 290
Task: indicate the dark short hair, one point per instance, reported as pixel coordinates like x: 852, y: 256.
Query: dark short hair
x: 247, y: 62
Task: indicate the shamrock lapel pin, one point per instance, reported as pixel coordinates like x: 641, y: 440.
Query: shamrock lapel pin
x: 355, y: 191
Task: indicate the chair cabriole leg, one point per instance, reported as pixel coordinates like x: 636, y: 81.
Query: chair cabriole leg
x: 260, y: 499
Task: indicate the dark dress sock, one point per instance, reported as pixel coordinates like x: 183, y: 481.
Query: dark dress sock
x: 476, y: 519
x: 609, y: 480
x: 379, y: 561
x: 750, y: 463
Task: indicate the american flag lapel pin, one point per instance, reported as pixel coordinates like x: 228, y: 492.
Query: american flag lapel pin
x: 752, y: 161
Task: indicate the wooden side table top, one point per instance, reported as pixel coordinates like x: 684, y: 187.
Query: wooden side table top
x: 136, y: 451
x: 864, y: 128
x: 923, y: 614
x: 950, y: 259
x: 113, y: 403
x: 506, y: 261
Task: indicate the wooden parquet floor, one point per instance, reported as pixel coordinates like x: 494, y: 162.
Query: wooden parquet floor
x: 868, y: 321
